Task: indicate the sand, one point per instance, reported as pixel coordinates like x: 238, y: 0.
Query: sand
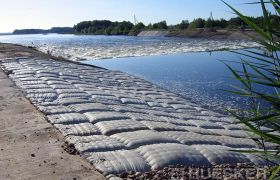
x: 30, y: 147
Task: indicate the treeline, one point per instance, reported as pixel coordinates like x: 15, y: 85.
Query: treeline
x: 106, y: 27
x: 233, y: 23
x: 59, y: 30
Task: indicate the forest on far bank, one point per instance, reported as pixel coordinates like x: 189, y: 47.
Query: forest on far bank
x: 107, y: 27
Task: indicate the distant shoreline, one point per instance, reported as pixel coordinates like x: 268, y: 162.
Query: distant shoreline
x: 221, y: 34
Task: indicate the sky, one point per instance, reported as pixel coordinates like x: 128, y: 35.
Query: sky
x: 44, y: 14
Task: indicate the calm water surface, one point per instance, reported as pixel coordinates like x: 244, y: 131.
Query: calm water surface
x: 201, y: 77
x: 182, y: 66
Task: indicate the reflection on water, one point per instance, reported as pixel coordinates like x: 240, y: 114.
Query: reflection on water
x: 197, y: 76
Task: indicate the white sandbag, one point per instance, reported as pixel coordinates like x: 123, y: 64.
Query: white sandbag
x: 163, y: 112
x: 73, y: 95
x: 162, y: 155
x: 132, y: 101
x: 162, y: 126
x: 18, y: 76
x: 89, y: 107
x: 126, y: 109
x: 153, y: 104
x: 148, y: 92
x: 70, y: 91
x: 200, y: 130
x: 145, y: 117
x: 95, y: 117
x: 206, y: 124
x: 29, y: 78
x: 69, y: 101
x: 43, y: 90
x: 94, y: 143
x: 221, y: 155
x: 181, y: 115
x: 236, y: 142
x: 129, y: 113
x: 142, y: 107
x: 224, y: 119
x: 35, y: 86
x: 179, y: 122
x: 62, y: 86
x: 116, y: 162
x: 180, y: 106
x: 17, y: 71
x: 56, y: 82
x: 145, y: 137
x: 34, y: 82
x: 92, y: 91
x: 259, y: 160
x: 51, y: 109
x: 118, y: 126
x: 81, y: 129
x: 108, y: 100
x: 190, y: 138
x: 46, y: 75
x: 234, y: 127
x: 47, y: 71
x: 68, y: 118
x: 43, y: 96
x: 233, y: 133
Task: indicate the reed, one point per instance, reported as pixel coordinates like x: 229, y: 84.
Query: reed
x: 261, y: 69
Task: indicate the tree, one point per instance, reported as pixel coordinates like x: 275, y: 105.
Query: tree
x: 236, y: 22
x: 222, y: 23
x: 197, y: 23
x: 184, y: 24
x: 149, y: 26
x: 160, y: 25
x: 209, y: 23
x: 137, y: 29
x: 104, y: 27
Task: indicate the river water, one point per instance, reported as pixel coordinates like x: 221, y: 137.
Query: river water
x: 79, y: 47
x: 184, y: 66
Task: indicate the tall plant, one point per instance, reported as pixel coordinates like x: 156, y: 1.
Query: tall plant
x: 262, y: 69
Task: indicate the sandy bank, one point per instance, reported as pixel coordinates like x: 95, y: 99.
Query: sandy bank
x: 218, y: 34
x: 204, y: 33
x: 153, y: 33
x: 31, y: 148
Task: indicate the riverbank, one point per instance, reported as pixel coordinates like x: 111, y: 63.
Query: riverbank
x: 121, y: 123
x: 222, y: 34
x: 201, y: 33
x: 31, y: 148
x: 78, y: 48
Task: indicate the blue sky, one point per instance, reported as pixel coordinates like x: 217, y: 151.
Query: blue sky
x: 48, y: 13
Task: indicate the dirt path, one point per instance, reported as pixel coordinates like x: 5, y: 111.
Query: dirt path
x: 30, y: 148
